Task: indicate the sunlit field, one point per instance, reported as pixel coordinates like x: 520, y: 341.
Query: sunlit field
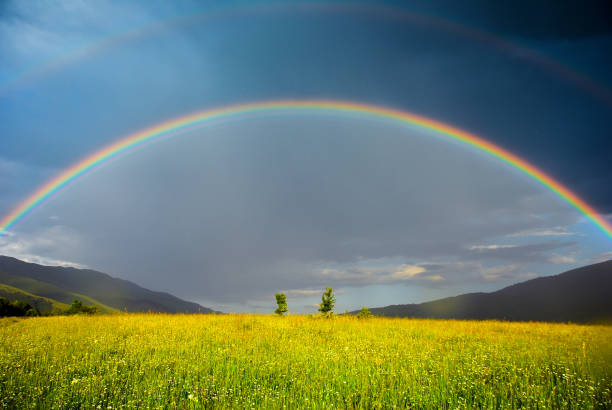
x: 160, y: 361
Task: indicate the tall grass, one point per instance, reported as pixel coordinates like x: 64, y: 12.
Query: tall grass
x: 254, y: 361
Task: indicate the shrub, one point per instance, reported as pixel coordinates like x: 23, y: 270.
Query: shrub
x: 16, y: 308
x: 365, y: 313
x: 77, y: 307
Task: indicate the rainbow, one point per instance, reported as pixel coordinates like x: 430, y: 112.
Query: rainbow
x: 201, y: 118
x: 513, y: 49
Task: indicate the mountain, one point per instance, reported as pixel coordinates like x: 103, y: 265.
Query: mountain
x: 579, y: 295
x: 47, y: 290
x: 66, y: 284
x: 41, y: 303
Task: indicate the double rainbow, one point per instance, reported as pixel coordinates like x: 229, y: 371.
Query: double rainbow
x: 201, y: 118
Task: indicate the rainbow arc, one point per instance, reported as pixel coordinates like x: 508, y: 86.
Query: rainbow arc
x: 191, y: 121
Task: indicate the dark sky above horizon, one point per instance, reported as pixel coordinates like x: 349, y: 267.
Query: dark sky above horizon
x: 231, y: 214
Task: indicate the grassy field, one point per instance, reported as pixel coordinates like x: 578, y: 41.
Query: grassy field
x: 155, y: 360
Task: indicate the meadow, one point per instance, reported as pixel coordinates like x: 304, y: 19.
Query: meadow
x: 255, y: 361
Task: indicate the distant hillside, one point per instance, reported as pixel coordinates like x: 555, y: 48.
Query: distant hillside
x: 579, y: 295
x: 66, y: 284
x: 41, y: 303
x: 52, y: 292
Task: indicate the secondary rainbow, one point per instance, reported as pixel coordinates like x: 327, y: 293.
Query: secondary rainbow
x: 205, y: 117
x: 359, y: 10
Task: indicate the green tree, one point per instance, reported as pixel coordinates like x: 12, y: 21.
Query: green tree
x: 78, y: 307
x: 328, y: 300
x: 281, y: 301
x: 365, y: 313
x: 16, y: 308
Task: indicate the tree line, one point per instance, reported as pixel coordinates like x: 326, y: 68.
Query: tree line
x: 21, y: 308
x: 326, y: 307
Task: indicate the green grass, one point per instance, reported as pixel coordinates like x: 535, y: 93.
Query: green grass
x: 254, y: 361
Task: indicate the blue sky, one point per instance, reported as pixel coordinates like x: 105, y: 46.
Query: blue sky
x: 229, y: 215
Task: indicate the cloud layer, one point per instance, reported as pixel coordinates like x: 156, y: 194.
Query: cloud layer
x: 231, y: 214
x: 243, y: 210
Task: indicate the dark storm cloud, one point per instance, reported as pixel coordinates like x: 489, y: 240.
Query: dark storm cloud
x: 425, y: 68
x: 537, y: 18
x: 238, y: 211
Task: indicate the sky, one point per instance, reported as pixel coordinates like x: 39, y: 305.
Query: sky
x: 229, y: 214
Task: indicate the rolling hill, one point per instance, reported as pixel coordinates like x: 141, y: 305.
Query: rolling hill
x: 49, y: 291
x: 66, y: 284
x: 41, y: 303
x: 580, y: 295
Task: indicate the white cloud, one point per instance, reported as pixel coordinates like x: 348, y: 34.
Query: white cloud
x: 523, y: 253
x: 302, y: 292
x: 557, y: 259
x: 476, y: 271
x: 556, y: 231
x: 408, y: 272
x: 434, y: 278
x: 33, y: 248
x: 305, y: 293
x: 488, y: 247
x: 379, y: 274
x: 41, y: 260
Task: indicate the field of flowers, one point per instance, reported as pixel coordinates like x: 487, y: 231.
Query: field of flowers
x: 255, y: 361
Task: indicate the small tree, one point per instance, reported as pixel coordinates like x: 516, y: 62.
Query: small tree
x: 365, y: 313
x: 328, y: 300
x: 281, y: 301
x: 77, y: 307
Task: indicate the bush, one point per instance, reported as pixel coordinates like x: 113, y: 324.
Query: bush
x: 77, y: 307
x: 365, y: 313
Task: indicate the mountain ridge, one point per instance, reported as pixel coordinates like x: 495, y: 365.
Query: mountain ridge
x: 119, y: 294
x: 579, y: 295
x: 42, y: 304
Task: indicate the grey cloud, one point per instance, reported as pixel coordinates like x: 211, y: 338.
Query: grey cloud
x: 243, y: 199
x: 505, y: 272
x: 17, y: 180
x: 234, y: 212
x: 309, y: 292
x: 471, y: 273
x: 601, y: 257
x: 242, y: 210
x: 534, y: 252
